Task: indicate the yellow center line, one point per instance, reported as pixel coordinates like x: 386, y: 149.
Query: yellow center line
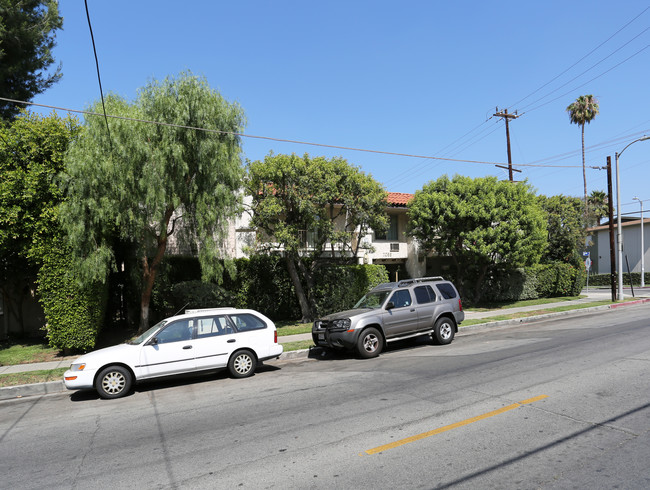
x: 446, y: 428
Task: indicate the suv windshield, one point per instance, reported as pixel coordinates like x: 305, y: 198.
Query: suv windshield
x: 373, y: 299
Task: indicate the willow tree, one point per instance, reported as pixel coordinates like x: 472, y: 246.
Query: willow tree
x: 144, y: 182
x: 581, y: 112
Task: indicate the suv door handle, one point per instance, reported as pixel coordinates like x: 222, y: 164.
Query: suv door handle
x: 187, y: 347
x: 231, y: 341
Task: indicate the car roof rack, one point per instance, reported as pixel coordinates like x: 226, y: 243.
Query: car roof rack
x: 406, y: 282
x: 204, y: 310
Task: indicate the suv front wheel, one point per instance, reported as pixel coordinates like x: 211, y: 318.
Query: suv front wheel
x: 370, y: 343
x: 443, y: 331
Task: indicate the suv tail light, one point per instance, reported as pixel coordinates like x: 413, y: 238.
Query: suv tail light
x: 460, y: 304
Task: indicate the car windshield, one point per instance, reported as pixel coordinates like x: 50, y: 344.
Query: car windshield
x: 373, y: 299
x: 141, y: 338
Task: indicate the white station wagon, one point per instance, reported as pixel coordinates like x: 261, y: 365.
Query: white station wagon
x: 198, y: 340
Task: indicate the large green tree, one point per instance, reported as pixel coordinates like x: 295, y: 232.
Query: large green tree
x: 27, y: 37
x: 32, y: 150
x: 143, y: 183
x: 566, y: 227
x: 581, y: 112
x: 315, y: 210
x: 483, y: 224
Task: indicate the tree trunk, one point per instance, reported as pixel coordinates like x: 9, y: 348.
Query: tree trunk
x: 149, y: 273
x: 307, y: 315
x: 584, y: 171
x: 478, y: 295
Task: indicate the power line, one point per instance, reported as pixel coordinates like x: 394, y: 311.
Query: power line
x: 463, y: 145
x: 577, y: 62
x: 588, y: 81
x: 281, y: 140
x: 99, y: 78
x: 589, y: 69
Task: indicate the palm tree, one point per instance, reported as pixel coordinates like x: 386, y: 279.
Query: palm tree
x: 582, y: 111
x: 598, y: 206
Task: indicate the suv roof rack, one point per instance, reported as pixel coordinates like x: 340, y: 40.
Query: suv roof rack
x: 406, y: 282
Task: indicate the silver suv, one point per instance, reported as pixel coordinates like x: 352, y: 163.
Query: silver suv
x: 393, y: 311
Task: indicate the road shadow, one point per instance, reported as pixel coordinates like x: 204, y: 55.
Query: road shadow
x: 324, y: 354
x: 166, y: 382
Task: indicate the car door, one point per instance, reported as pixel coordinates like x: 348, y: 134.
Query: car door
x: 402, y: 318
x: 253, y: 333
x: 428, y: 306
x: 169, y: 352
x: 215, y: 341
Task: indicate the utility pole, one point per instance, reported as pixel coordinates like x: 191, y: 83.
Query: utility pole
x: 507, y: 117
x: 610, y: 208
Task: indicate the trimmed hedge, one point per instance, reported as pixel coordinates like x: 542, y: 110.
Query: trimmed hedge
x: 605, y: 279
x: 538, y: 281
x: 73, y: 314
x: 263, y: 284
x: 339, y: 287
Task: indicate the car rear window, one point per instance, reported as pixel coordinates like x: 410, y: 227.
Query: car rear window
x: 447, y: 290
x: 245, y: 322
x: 424, y: 294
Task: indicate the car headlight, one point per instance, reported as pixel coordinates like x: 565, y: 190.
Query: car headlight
x: 343, y: 324
x: 78, y: 367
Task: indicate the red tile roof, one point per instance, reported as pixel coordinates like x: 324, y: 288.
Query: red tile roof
x: 399, y: 198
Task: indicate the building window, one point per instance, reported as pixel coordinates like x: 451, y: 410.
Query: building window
x: 391, y: 233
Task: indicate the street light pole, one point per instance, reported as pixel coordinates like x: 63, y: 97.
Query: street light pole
x: 619, y: 235
x: 642, y: 246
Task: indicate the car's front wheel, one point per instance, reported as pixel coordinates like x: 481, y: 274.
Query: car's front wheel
x: 242, y: 364
x: 114, y: 382
x: 370, y: 343
x: 443, y: 331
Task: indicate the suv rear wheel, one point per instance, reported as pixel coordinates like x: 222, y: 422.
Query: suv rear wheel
x: 370, y: 343
x: 443, y: 331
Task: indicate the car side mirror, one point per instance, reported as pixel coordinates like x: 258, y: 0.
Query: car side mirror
x: 153, y: 341
x: 390, y: 305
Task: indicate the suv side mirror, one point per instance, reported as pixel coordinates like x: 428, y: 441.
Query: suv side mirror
x: 390, y: 305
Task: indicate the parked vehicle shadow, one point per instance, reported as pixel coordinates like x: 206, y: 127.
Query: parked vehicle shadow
x: 324, y: 354
x: 171, y: 382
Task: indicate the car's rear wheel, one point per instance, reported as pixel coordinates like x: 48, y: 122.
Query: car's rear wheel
x: 443, y: 331
x: 370, y: 343
x: 114, y: 382
x: 242, y: 364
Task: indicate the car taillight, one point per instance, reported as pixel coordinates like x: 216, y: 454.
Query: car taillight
x: 275, y: 339
x: 460, y: 304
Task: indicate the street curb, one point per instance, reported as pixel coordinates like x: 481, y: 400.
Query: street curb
x: 36, y: 389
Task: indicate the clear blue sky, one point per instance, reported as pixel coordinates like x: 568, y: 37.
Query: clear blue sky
x: 414, y: 77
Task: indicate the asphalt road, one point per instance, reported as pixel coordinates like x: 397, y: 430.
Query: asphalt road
x: 555, y: 404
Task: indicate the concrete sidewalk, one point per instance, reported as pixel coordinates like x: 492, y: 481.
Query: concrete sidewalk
x: 592, y: 295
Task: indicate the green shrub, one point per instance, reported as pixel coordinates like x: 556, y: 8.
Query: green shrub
x: 263, y: 284
x: 510, y: 285
x: 198, y: 294
x: 605, y: 279
x: 339, y: 287
x: 538, y: 281
x: 73, y: 313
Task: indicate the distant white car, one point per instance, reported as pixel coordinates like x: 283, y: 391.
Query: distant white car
x: 198, y: 340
